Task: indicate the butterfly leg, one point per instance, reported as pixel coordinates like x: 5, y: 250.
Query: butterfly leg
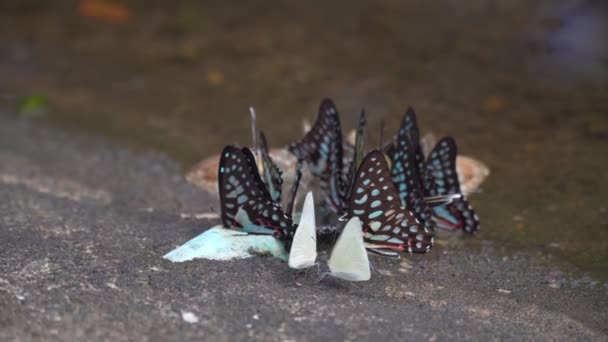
x: 321, y: 278
x: 372, y: 268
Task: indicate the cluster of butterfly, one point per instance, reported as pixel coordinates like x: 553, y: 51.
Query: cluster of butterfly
x: 392, y: 200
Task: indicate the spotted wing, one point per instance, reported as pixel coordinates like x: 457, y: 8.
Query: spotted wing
x: 272, y: 174
x: 386, y: 224
x: 441, y: 180
x: 410, y: 125
x: 405, y: 177
x: 245, y: 202
x: 321, y: 150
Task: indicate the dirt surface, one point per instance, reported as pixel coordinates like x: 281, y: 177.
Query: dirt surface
x: 84, y: 224
x: 520, y: 86
x: 92, y: 191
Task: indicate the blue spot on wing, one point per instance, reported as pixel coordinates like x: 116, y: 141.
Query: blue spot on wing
x: 375, y: 214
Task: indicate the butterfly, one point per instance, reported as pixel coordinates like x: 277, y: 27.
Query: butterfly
x: 321, y: 150
x: 449, y: 208
x: 356, y: 152
x: 245, y: 200
x: 409, y: 129
x: 348, y: 259
x: 405, y: 175
x: 272, y: 174
x: 303, y: 251
x: 386, y: 223
x: 410, y: 126
x: 440, y: 181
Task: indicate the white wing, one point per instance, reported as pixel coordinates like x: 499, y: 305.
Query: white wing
x: 304, y: 246
x: 348, y: 259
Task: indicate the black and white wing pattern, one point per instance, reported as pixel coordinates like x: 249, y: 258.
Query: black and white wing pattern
x: 272, y: 174
x: 441, y: 181
x: 405, y: 176
x: 386, y: 223
x: 245, y: 201
x: 321, y: 150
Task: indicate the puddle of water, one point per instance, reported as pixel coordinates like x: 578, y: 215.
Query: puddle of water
x: 522, y: 87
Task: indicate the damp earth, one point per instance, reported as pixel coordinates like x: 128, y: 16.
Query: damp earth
x: 103, y: 111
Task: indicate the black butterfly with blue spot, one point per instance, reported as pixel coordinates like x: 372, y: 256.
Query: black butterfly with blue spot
x: 410, y: 124
x: 441, y: 181
x: 409, y: 128
x: 245, y: 200
x: 322, y: 152
x: 388, y: 226
x: 405, y: 171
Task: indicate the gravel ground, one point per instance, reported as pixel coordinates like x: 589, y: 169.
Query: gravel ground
x: 84, y: 223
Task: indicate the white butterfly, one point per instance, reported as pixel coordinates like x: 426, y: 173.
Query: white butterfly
x: 348, y: 259
x: 304, y: 246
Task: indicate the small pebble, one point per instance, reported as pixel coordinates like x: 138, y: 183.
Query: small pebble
x: 189, y: 317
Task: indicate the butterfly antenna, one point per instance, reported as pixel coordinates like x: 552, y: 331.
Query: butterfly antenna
x: 294, y: 188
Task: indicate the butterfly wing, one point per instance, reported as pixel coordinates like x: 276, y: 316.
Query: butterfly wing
x: 357, y: 153
x: 321, y: 150
x: 441, y: 180
x: 405, y: 176
x: 244, y: 199
x: 410, y: 126
x: 375, y: 201
x: 440, y: 177
x: 303, y: 251
x: 348, y: 258
x: 272, y: 174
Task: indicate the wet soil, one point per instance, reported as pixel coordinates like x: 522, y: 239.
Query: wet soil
x: 521, y: 86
